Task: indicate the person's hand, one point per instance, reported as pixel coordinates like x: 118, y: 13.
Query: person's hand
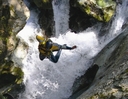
x: 74, y: 47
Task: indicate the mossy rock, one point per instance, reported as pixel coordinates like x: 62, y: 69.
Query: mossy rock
x: 43, y: 4
x: 102, y: 10
x: 11, y: 79
x: 10, y: 74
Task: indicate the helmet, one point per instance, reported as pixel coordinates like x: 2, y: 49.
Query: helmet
x: 44, y: 41
x: 40, y: 39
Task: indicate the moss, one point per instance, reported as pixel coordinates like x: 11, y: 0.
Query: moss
x: 12, y: 8
x: 19, y: 74
x: 3, y: 18
x: 1, y: 96
x: 10, y: 71
x: 43, y: 4
x: 101, y: 10
x: 45, y: 1
x: 105, y: 3
x: 87, y: 10
x: 12, y: 11
x: 102, y: 96
x: 126, y: 71
x: 100, y: 3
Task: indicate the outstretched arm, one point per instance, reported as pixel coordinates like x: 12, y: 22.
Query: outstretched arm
x: 67, y: 47
x: 56, y: 47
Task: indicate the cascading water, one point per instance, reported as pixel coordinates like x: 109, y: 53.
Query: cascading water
x: 47, y: 80
x: 61, y: 19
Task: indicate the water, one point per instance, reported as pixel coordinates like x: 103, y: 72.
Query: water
x: 61, y: 19
x: 47, y: 80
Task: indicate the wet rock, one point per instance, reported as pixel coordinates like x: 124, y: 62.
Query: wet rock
x: 110, y: 81
x: 13, y: 16
x: 43, y: 4
x: 102, y: 10
x: 46, y: 21
x: 79, y: 20
x: 83, y: 82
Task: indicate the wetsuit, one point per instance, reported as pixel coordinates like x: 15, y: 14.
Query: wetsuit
x: 47, y: 47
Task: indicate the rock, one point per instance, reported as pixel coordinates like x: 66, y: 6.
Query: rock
x: 78, y: 19
x: 45, y: 20
x: 13, y: 16
x: 11, y: 78
x: 19, y: 13
x: 43, y: 4
x: 102, y: 10
x: 83, y: 82
x: 111, y: 79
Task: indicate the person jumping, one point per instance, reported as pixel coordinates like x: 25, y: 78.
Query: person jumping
x: 46, y: 48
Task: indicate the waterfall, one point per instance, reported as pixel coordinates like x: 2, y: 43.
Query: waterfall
x: 47, y: 80
x: 61, y: 19
x: 120, y: 19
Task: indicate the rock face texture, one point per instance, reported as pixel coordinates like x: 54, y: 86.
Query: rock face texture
x: 46, y: 18
x: 110, y: 81
x: 13, y: 16
x: 110, y: 70
x: 102, y: 10
x: 83, y: 13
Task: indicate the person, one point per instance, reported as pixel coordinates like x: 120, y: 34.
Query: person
x: 46, y: 48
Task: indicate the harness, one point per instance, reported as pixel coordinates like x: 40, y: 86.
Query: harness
x: 46, y: 46
x: 44, y: 50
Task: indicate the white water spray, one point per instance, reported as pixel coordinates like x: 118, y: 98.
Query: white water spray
x: 61, y: 16
x: 116, y: 26
x: 47, y: 80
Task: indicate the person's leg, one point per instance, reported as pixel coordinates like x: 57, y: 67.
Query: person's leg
x: 56, y: 57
